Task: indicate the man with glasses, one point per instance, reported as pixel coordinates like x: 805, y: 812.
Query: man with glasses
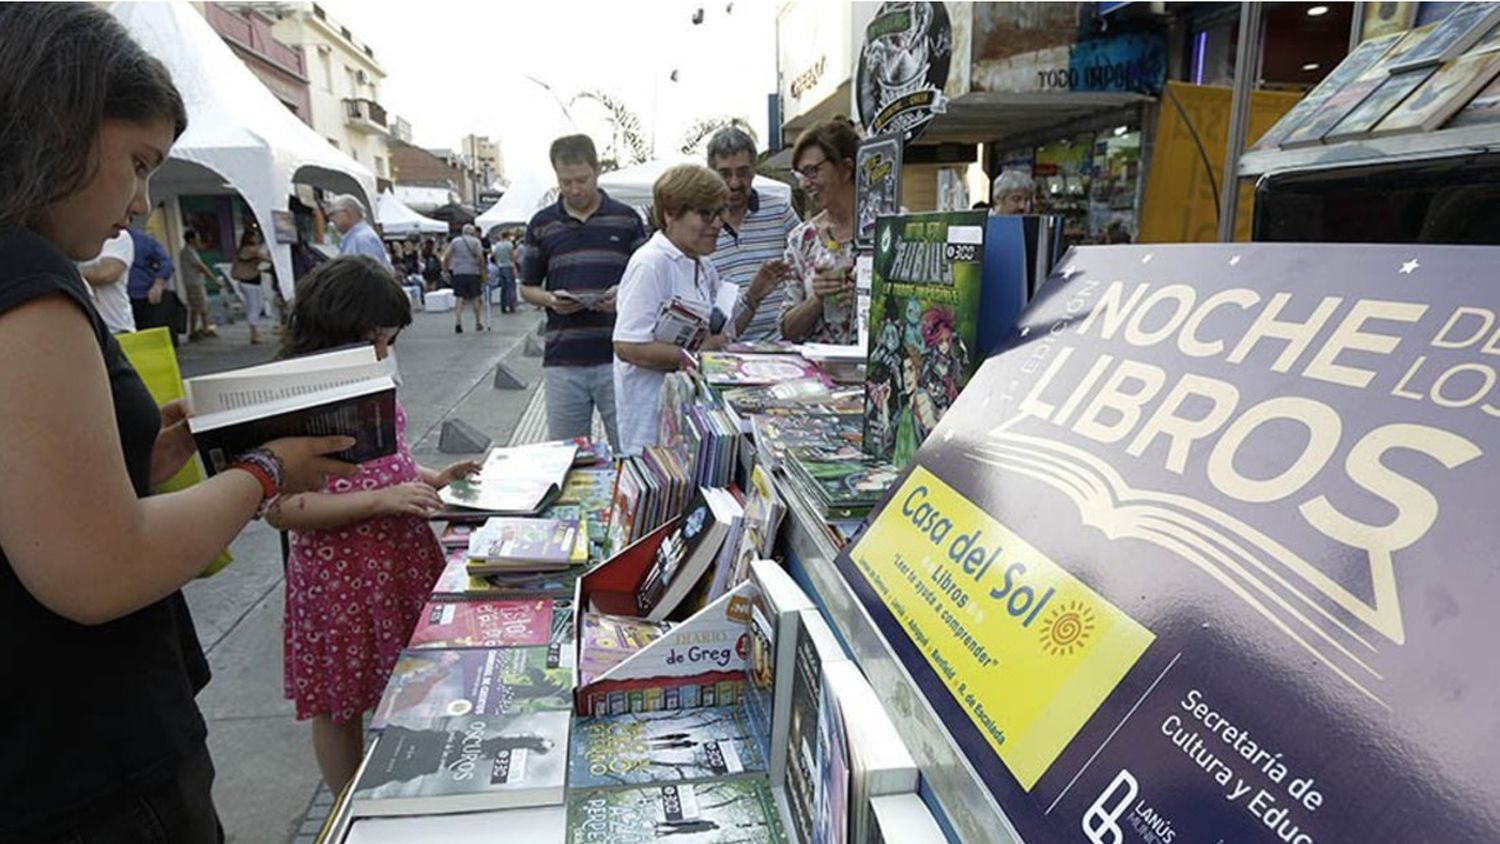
x: 356, y: 237
x: 576, y: 251
x: 751, y: 243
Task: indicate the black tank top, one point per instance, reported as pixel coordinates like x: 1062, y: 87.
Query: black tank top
x: 88, y: 714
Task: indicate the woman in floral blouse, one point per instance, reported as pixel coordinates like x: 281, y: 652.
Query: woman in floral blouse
x: 819, y: 303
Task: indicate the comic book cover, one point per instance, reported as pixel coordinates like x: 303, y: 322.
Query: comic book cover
x: 428, y: 684
x: 924, y: 309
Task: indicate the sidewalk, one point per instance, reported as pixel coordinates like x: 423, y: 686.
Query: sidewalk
x: 267, y: 776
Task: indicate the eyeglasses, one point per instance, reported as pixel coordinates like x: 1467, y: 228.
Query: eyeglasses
x: 744, y: 174
x: 709, y: 215
x: 810, y: 171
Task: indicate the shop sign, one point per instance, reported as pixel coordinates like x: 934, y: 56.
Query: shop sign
x: 1034, y: 47
x: 1206, y: 551
x: 902, y: 69
x: 815, y: 43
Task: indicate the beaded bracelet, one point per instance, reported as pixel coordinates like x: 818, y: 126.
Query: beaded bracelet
x: 266, y: 467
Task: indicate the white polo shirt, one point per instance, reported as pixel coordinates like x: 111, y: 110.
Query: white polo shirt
x: 657, y: 272
x: 112, y: 300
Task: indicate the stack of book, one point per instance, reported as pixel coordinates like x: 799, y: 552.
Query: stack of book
x: 699, y: 427
x: 838, y: 489
x: 585, y: 498
x: 730, y: 369
x: 650, y: 490
x: 836, y: 436
x: 680, y: 580
x: 510, y: 545
x: 457, y: 583
x: 808, y: 395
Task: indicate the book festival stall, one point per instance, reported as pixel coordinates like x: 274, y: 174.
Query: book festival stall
x: 1131, y: 543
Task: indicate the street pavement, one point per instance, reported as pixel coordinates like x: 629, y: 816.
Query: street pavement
x: 267, y: 776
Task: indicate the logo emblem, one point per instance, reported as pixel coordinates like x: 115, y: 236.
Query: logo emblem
x: 1068, y: 628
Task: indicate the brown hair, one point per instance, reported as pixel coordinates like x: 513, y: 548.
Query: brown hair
x: 574, y: 149
x: 686, y: 187
x: 836, y: 138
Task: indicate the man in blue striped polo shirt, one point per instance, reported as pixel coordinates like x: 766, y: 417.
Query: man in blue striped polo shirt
x: 753, y: 240
x: 577, y: 249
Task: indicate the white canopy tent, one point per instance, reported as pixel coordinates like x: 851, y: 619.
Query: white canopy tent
x: 396, y: 219
x: 632, y: 185
x: 239, y: 137
x: 528, y: 193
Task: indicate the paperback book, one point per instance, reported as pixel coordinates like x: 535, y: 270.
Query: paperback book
x: 685, y: 556
x: 730, y: 810
x: 607, y: 640
x: 665, y: 746
x: 517, y: 481
x: 430, y: 684
x: 903, y: 819
x: 1343, y: 101
x: 533, y: 825
x: 877, y: 185
x: 347, y: 392
x: 486, y: 624
x: 466, y: 763
x: 775, y: 604
x: 816, y: 647
x: 726, y: 369
x: 866, y: 744
x: 834, y: 435
x: 456, y: 583
x: 842, y: 488
x: 509, y: 544
x: 925, y: 310
x: 1449, y: 90
x: 1359, y: 60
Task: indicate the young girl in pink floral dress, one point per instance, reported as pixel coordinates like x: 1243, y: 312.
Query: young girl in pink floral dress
x: 363, y: 558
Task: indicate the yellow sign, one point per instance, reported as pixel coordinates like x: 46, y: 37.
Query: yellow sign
x: 150, y: 352
x: 1025, y: 648
x: 1179, y: 206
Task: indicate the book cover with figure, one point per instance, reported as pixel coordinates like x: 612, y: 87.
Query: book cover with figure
x: 732, y: 810
x: 428, y: 684
x: 924, y: 325
x: 484, y: 624
x: 664, y: 746
x: 465, y: 764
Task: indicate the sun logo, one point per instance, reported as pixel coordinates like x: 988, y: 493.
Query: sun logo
x: 1067, y: 628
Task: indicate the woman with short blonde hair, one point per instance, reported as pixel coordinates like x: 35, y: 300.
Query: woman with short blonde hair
x: 688, y: 207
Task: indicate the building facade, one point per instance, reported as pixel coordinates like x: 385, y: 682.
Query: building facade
x: 344, y: 81
x: 279, y: 66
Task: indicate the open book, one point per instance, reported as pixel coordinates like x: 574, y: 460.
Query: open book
x: 346, y: 392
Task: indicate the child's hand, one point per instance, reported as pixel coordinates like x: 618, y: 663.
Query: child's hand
x: 461, y: 469
x: 409, y: 499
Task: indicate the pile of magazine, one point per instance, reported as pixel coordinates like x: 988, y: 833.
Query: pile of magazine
x: 650, y: 490
x: 838, y: 489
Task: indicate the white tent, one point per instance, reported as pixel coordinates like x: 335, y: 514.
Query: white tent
x: 397, y: 219
x: 528, y: 193
x: 632, y: 185
x: 239, y: 137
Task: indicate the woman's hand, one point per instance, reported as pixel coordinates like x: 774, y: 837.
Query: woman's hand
x: 455, y: 471
x: 305, y: 468
x: 832, y: 281
x: 174, y: 443
x: 767, y: 278
x: 408, y: 499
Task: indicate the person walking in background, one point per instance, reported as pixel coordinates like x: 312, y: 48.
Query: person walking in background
x: 432, y: 266
x: 464, y: 260
x: 147, y: 285
x: 356, y: 236
x: 106, y: 276
x: 819, y: 302
x: 363, y: 559
x: 505, y: 271
x: 195, y: 276
x: 103, y: 740
x: 753, y: 237
x: 250, y: 260
x: 576, y: 250
x: 687, y: 202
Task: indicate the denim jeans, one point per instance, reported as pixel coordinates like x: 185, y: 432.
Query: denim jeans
x: 180, y: 811
x: 573, y: 392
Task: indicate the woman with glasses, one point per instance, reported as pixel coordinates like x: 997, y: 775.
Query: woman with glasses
x: 668, y: 288
x: 819, y: 302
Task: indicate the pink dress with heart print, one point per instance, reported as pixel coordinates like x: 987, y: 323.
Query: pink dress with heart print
x: 353, y: 596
